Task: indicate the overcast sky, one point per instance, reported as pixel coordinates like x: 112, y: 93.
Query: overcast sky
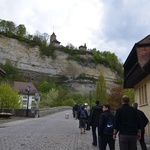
x: 107, y: 25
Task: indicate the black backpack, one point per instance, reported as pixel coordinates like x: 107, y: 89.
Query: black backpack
x: 108, y: 126
x: 83, y: 114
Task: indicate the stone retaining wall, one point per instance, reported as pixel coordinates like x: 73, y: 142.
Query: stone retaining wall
x: 48, y: 111
x: 35, y: 113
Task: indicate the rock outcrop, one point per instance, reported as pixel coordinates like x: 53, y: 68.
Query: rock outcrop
x: 33, y: 65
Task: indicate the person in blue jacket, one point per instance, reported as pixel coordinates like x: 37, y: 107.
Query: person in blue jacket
x: 82, y: 116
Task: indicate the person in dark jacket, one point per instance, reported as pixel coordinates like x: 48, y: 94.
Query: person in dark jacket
x: 94, y: 121
x: 106, y: 136
x: 75, y: 111
x: 82, y: 116
x: 144, y: 122
x: 128, y: 124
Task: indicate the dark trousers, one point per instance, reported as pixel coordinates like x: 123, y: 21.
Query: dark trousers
x: 87, y: 124
x: 127, y: 142
x: 94, y: 134
x: 142, y: 142
x: 106, y: 139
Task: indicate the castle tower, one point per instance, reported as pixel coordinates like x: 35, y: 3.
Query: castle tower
x: 53, y: 40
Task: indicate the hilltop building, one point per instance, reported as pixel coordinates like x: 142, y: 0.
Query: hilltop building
x: 53, y: 40
x: 83, y: 48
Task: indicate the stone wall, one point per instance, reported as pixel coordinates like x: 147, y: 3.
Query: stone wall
x: 45, y: 112
x: 35, y: 113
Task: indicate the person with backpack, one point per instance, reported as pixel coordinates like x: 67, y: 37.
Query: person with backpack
x: 106, y: 126
x: 94, y: 121
x: 82, y: 116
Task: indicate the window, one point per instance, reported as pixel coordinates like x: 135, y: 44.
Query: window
x: 143, y: 95
x: 33, y: 97
x: 24, y: 102
x: 25, y: 97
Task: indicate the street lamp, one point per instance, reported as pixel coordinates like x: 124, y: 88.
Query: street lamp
x: 37, y: 95
x: 28, y: 90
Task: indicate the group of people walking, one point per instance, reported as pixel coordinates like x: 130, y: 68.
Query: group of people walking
x: 128, y: 123
x: 82, y: 112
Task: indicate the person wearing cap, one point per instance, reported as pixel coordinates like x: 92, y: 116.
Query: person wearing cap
x: 106, y: 136
x: 94, y: 121
x: 144, y: 122
x: 127, y: 123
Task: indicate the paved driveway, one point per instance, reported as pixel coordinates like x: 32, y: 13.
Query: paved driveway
x: 52, y: 132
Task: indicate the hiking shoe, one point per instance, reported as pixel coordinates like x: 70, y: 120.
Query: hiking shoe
x: 94, y: 144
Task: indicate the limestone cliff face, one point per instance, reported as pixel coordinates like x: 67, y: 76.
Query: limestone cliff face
x: 30, y: 62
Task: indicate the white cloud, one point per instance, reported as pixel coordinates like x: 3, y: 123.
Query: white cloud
x: 105, y: 25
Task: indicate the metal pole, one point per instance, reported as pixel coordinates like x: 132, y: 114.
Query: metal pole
x: 28, y: 89
x: 90, y: 99
x: 27, y: 105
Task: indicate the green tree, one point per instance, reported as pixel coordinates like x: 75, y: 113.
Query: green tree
x: 69, y: 102
x: 2, y: 26
x: 44, y: 87
x: 130, y: 93
x: 7, y: 27
x: 9, y: 98
x: 101, y: 91
x: 108, y: 59
x: 11, y: 72
x: 21, y: 31
x: 78, y: 98
x: 49, y: 99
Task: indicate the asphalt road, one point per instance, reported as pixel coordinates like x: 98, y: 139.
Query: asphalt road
x: 53, y: 132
